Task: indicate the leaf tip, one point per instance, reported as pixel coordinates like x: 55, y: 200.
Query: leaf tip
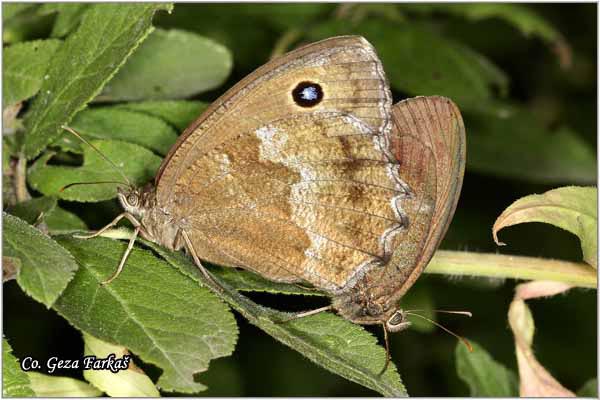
x: 495, y: 230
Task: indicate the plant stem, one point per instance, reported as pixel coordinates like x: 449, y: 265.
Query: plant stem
x: 21, y: 180
x: 447, y: 262
x: 508, y: 266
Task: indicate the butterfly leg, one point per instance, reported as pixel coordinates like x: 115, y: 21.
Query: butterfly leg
x: 40, y: 224
x: 305, y: 314
x: 190, y: 247
x: 110, y: 225
x: 119, y: 217
x: 387, y: 350
x: 312, y: 289
x: 124, y: 258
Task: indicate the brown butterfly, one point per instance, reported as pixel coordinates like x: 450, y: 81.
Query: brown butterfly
x: 305, y: 172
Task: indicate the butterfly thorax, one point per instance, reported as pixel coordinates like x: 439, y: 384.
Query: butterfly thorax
x: 364, y: 304
x: 157, y: 224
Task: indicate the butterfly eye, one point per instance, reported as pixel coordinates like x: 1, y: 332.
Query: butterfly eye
x: 132, y: 199
x: 307, y: 94
x: 396, y: 319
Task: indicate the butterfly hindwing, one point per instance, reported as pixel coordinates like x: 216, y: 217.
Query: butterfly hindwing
x: 428, y: 140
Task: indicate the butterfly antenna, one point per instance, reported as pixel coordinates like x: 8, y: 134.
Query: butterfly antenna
x: 77, y: 135
x: 465, y: 313
x: 86, y: 183
x: 387, y: 349
x: 462, y: 339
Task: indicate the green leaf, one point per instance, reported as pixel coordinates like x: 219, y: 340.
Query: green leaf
x: 528, y: 151
x: 30, y: 211
x: 129, y: 126
x: 250, y: 282
x: 107, y: 35
x: 25, y: 65
x: 179, y: 113
x: 137, y: 163
x: 518, y: 15
x: 420, y: 62
x: 59, y: 386
x: 571, y: 208
x: 56, y: 219
x: 46, y: 267
x: 9, y: 10
x: 151, y: 309
x: 15, y: 382
x: 250, y: 46
x: 359, y: 11
x: 24, y: 22
x: 485, y: 376
x: 169, y: 65
x: 130, y: 382
x: 69, y: 15
x: 589, y: 389
x: 288, y: 16
x: 10, y: 146
x: 61, y: 221
x: 67, y: 142
x: 330, y: 341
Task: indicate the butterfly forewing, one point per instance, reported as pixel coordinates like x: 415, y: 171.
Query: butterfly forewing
x: 348, y: 70
x: 289, y: 174
x: 292, y: 208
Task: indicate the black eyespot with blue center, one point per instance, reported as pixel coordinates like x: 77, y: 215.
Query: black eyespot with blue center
x: 307, y: 94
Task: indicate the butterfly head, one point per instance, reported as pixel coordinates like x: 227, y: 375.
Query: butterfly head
x: 135, y: 201
x: 362, y: 308
x: 130, y: 200
x: 397, y: 321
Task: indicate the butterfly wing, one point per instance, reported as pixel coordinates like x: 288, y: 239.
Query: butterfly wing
x: 309, y: 198
x: 428, y: 140
x: 347, y: 67
x: 292, y: 192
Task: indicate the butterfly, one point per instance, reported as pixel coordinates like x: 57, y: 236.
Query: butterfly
x: 305, y: 171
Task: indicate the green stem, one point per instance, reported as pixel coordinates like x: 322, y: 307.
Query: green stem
x: 466, y: 263
x: 508, y: 266
x: 21, y: 180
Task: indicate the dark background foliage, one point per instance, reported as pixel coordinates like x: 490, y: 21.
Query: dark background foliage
x: 548, y: 96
